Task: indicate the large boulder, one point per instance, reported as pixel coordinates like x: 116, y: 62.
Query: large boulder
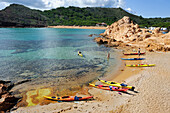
x: 122, y: 29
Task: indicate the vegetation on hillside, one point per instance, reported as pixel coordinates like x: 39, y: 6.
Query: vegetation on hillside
x: 155, y: 22
x: 18, y: 15
x: 21, y: 16
x: 86, y: 16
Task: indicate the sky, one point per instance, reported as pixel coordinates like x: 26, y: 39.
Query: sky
x: 145, y: 8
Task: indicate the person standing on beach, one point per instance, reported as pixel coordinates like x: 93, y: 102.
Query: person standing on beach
x: 108, y: 55
x: 139, y: 52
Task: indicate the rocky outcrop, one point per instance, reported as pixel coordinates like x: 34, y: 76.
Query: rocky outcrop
x: 129, y: 33
x: 100, y: 40
x: 7, y: 100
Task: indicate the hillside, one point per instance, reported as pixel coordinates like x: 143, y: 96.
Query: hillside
x: 89, y: 16
x: 21, y: 16
x: 86, y: 16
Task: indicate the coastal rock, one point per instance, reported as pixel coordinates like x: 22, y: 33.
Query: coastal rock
x: 114, y: 44
x: 156, y: 30
x: 102, y: 34
x: 2, y: 89
x: 167, y: 41
x: 90, y: 35
x: 147, y: 35
x: 7, y: 100
x: 5, y: 86
x: 126, y: 31
x: 102, y: 40
x: 157, y: 47
x: 145, y: 30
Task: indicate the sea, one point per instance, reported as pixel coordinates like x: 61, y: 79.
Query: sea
x: 48, y: 57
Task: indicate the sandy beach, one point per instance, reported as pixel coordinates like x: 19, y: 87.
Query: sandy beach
x: 151, y: 92
x: 79, y: 65
x: 78, y: 27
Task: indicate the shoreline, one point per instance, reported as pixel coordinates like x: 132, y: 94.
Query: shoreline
x: 62, y: 26
x: 34, y: 96
x: 144, y: 80
x: 128, y: 72
x: 113, y: 101
x: 117, y: 75
x: 77, y: 27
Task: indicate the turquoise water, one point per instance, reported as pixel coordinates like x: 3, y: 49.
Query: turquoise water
x: 49, y: 56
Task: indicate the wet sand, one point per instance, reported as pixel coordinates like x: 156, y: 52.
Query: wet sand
x: 151, y: 96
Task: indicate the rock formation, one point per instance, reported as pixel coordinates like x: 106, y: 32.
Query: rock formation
x: 7, y: 100
x: 125, y: 33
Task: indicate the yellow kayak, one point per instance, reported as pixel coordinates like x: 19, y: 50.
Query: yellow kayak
x: 111, y: 88
x: 121, y: 85
x: 141, y: 65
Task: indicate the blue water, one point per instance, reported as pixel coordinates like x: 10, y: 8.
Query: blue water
x: 49, y: 55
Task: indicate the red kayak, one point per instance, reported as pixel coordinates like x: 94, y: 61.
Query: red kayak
x: 111, y: 88
x: 68, y: 98
x: 133, y: 53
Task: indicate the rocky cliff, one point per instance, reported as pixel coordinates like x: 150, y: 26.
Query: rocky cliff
x: 126, y: 33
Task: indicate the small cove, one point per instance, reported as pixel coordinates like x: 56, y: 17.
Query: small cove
x: 48, y: 57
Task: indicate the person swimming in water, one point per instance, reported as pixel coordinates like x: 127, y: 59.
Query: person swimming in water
x: 79, y: 52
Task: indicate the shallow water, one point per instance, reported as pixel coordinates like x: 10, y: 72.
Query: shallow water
x: 48, y: 57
